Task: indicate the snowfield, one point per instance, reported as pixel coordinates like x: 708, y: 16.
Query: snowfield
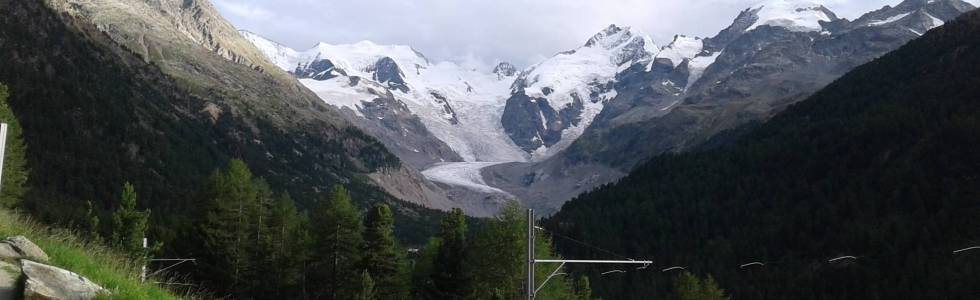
x: 459, y: 106
x: 795, y: 15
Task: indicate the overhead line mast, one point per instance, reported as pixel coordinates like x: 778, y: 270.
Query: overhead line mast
x: 530, y: 289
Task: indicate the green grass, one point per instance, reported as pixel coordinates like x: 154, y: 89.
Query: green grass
x: 110, y: 269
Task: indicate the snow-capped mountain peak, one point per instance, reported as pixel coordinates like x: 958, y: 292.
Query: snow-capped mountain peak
x: 553, y: 101
x: 505, y: 70
x: 793, y: 15
x: 681, y: 48
x: 917, y: 16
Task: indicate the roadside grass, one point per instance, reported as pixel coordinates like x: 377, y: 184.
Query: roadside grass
x: 104, y: 266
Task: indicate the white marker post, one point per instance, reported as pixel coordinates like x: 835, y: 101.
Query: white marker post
x: 3, y: 147
x: 143, y: 271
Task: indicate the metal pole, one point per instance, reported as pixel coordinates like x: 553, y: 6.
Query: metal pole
x: 3, y: 146
x: 530, y: 255
x: 143, y: 271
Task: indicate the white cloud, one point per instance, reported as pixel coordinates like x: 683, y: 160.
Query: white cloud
x: 483, y: 31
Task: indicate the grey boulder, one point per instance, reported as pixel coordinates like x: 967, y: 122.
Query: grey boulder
x: 48, y: 282
x: 20, y: 247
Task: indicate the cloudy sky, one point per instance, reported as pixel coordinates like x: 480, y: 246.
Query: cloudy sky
x: 481, y: 32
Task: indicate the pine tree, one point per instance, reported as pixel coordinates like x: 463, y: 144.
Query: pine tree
x: 288, y: 249
x: 449, y: 276
x: 423, y: 266
x: 689, y: 287
x: 13, y: 183
x: 231, y: 229
x: 497, y: 259
x: 91, y: 225
x: 711, y: 290
x: 497, y: 255
x: 381, y: 258
x: 365, y: 287
x: 129, y: 225
x: 337, y: 244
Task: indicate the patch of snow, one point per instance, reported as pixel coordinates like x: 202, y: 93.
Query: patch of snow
x: 889, y: 20
x: 681, y: 48
x: 936, y: 22
x: 671, y: 105
x: 697, y: 66
x: 794, y: 15
x: 281, y: 56
x: 463, y: 174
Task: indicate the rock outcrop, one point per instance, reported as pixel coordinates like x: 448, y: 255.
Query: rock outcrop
x: 48, y: 282
x: 23, y: 277
x: 23, y: 248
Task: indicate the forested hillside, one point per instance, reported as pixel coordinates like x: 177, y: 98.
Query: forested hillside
x: 95, y: 114
x: 880, y: 165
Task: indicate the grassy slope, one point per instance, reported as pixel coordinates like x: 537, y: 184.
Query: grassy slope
x: 100, y: 264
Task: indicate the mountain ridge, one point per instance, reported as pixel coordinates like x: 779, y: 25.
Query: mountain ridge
x: 650, y: 99
x: 877, y: 165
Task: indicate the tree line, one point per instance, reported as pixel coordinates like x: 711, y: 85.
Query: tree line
x: 257, y: 245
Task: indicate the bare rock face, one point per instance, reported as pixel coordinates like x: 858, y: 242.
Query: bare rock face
x: 20, y: 247
x: 9, y: 275
x: 47, y: 282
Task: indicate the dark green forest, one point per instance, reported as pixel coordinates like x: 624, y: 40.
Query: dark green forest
x: 882, y: 165
x: 257, y: 245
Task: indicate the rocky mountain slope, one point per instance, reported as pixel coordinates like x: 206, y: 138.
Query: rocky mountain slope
x: 430, y: 112
x: 772, y: 55
x: 162, y: 93
x: 879, y: 165
x: 586, y: 116
x: 552, y: 102
x: 486, y: 117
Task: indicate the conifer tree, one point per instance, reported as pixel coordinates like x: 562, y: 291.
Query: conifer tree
x: 337, y: 244
x: 129, y: 225
x: 381, y: 258
x: 287, y: 249
x: 92, y: 222
x: 711, y: 290
x: 689, y: 287
x: 230, y: 228
x: 13, y: 184
x: 449, y: 276
x: 365, y: 287
x: 497, y: 255
x: 422, y: 270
